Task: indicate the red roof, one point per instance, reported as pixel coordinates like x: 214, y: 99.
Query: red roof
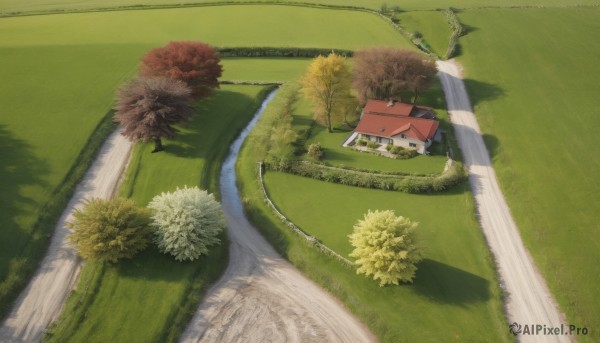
x: 389, y: 126
x: 389, y: 108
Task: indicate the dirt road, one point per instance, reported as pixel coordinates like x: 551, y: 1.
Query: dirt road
x: 47, y: 291
x: 262, y: 297
x: 529, y: 301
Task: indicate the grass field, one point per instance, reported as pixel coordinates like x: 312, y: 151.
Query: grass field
x: 9, y: 6
x: 149, y: 298
x: 60, y: 73
x: 539, y: 112
x: 264, y: 69
x: 453, y: 291
x: 432, y: 24
x: 260, y: 25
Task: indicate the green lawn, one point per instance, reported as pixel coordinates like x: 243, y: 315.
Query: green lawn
x: 455, y: 296
x: 260, y: 25
x: 264, y: 69
x: 149, y: 298
x: 538, y: 109
x: 60, y: 73
x: 8, y: 6
x: 432, y: 24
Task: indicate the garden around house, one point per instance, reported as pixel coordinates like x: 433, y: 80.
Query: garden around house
x: 87, y: 55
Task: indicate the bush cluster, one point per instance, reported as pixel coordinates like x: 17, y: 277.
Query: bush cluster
x: 315, y: 151
x: 279, y: 52
x: 373, y: 145
x: 401, y: 183
x: 456, y: 29
x: 403, y: 153
x: 361, y: 142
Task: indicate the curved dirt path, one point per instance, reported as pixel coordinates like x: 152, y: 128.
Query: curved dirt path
x: 528, y: 299
x: 41, y: 302
x: 262, y: 297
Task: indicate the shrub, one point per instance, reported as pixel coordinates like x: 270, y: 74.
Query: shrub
x: 361, y: 142
x: 383, y: 9
x: 394, y: 182
x: 187, y: 222
x: 373, y: 145
x: 384, y: 247
x: 315, y: 152
x: 389, y: 147
x: 109, y: 230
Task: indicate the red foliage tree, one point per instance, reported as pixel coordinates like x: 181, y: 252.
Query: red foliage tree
x: 148, y: 107
x: 195, y: 63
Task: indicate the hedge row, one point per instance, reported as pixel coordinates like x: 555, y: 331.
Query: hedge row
x: 280, y: 52
x: 456, y: 29
x: 401, y: 183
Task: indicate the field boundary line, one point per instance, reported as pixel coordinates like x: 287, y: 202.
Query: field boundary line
x: 311, y: 240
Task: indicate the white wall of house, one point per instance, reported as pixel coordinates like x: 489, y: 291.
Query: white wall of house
x: 409, y: 143
x: 398, y: 140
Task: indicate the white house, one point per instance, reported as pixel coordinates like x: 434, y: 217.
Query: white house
x: 406, y: 125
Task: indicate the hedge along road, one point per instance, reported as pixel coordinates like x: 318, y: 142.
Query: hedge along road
x: 42, y: 300
x: 528, y: 298
x: 262, y: 297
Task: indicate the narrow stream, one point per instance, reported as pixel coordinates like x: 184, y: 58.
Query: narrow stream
x: 230, y: 197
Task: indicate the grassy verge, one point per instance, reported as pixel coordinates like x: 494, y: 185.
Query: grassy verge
x: 538, y: 110
x: 455, y: 296
x: 151, y: 297
x: 431, y: 24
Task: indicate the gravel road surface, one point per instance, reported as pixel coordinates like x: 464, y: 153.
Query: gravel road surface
x: 42, y: 300
x: 262, y: 297
x: 529, y: 301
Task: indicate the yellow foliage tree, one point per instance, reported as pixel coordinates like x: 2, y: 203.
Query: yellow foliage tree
x: 327, y: 84
x: 384, y: 247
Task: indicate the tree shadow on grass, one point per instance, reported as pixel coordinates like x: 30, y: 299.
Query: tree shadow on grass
x: 480, y: 91
x: 492, y: 143
x: 195, y: 135
x: 442, y: 283
x: 19, y: 167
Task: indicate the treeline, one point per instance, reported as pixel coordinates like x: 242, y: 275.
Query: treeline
x: 280, y: 52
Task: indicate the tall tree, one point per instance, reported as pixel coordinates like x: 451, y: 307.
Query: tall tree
x: 109, y: 230
x: 384, y: 247
x: 327, y: 84
x: 147, y: 109
x: 387, y: 73
x: 195, y: 63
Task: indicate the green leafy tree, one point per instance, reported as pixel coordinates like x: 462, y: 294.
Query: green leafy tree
x: 327, y: 85
x: 187, y: 222
x: 109, y: 230
x: 384, y: 247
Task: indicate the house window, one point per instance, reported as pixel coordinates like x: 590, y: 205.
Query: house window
x: 391, y: 141
x: 402, y: 135
x: 379, y: 140
x: 412, y: 145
